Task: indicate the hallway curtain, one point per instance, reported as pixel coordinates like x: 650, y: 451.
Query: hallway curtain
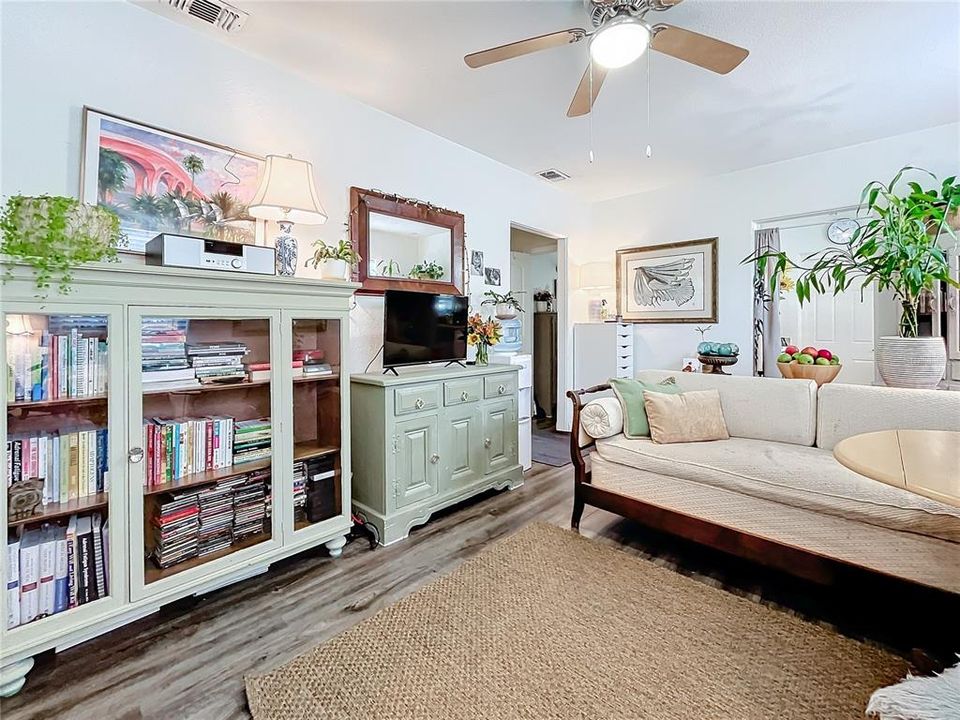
x: 766, y: 308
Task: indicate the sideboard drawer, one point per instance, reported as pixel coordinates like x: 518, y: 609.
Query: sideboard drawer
x: 408, y: 400
x: 495, y: 386
x: 458, y: 392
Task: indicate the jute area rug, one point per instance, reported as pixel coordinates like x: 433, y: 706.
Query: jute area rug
x: 548, y: 625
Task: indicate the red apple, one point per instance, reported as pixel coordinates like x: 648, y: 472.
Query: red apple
x: 825, y: 354
x: 810, y: 350
x: 791, y: 349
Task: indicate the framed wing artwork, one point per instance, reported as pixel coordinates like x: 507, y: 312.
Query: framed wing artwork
x: 670, y: 283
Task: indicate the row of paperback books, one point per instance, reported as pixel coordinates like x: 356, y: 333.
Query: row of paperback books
x: 197, y: 523
x: 163, y: 351
x: 251, y: 440
x: 56, y: 366
x: 57, y: 567
x: 177, y: 448
x: 71, y: 465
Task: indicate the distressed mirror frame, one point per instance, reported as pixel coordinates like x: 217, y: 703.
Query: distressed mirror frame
x: 363, y: 202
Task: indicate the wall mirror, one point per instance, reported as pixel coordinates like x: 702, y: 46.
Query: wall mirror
x: 405, y: 244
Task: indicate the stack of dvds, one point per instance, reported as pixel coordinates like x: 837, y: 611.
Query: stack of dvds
x: 251, y: 440
x: 215, y: 363
x: 249, y: 505
x: 299, y: 491
x: 164, y: 350
x: 215, y: 531
x: 175, y: 526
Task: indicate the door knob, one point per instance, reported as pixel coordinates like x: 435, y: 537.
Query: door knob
x: 419, y: 403
x: 487, y: 442
x: 435, y: 458
x: 135, y: 455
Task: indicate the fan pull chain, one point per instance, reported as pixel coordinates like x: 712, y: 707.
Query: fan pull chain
x: 590, y: 109
x: 649, y: 129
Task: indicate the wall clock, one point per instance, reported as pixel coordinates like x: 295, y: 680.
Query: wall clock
x: 841, y: 231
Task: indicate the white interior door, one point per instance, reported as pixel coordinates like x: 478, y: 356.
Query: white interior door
x: 841, y: 323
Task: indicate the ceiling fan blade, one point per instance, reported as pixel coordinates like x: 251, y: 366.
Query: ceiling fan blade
x: 582, y: 103
x: 524, y: 47
x: 707, y: 52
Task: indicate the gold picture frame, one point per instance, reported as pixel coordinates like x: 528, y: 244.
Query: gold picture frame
x: 668, y: 283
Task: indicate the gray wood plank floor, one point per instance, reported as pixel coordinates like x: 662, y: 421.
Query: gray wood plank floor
x: 189, y: 660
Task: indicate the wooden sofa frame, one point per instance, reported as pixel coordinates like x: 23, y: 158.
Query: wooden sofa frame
x: 841, y: 575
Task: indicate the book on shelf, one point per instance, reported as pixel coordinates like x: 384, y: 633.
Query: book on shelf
x: 54, y: 367
x: 13, y: 582
x: 71, y: 465
x: 175, y: 448
x: 252, y: 439
x: 320, y: 368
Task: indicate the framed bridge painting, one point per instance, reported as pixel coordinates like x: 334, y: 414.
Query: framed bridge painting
x: 670, y: 283
x: 161, y: 181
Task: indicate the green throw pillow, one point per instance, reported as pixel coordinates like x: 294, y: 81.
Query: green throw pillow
x: 630, y: 394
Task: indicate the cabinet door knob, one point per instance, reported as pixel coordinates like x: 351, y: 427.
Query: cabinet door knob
x: 435, y: 458
x: 487, y: 442
x: 464, y: 395
x: 135, y: 455
x: 419, y: 403
x: 501, y: 389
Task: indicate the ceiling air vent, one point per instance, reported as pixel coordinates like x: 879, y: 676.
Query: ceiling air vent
x: 553, y: 175
x: 219, y: 14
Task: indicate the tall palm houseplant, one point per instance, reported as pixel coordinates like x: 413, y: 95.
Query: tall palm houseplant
x: 900, y: 248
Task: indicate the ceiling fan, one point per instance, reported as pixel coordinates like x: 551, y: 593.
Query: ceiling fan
x: 620, y: 35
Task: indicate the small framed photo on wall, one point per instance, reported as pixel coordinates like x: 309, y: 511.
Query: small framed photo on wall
x: 670, y: 283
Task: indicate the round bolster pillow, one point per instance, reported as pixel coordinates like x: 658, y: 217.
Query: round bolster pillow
x: 602, y: 418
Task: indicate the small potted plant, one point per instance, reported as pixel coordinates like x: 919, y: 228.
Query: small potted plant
x: 898, y: 249
x: 506, y: 306
x: 426, y: 270
x: 386, y: 268
x: 55, y: 234
x: 334, y: 262
x: 483, y: 333
x: 542, y: 300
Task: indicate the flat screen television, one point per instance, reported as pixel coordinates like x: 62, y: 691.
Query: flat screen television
x: 423, y: 328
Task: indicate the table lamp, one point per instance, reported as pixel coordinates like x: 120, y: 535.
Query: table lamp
x: 287, y: 194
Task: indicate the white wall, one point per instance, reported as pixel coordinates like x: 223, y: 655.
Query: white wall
x: 727, y: 206
x: 57, y: 57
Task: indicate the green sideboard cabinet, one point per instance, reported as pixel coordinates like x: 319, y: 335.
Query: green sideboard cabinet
x: 427, y: 439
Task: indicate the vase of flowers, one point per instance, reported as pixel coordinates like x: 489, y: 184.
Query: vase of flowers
x: 483, y: 333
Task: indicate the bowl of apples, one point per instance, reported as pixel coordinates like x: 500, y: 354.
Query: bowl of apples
x: 821, y: 366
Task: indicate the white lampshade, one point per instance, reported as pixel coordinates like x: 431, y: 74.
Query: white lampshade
x: 19, y: 325
x: 596, y: 276
x: 287, y: 193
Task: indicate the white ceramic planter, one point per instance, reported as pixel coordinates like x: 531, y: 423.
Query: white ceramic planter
x: 503, y: 311
x: 541, y: 306
x: 911, y: 362
x: 334, y: 269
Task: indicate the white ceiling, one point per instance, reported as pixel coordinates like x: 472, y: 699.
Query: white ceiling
x: 820, y: 75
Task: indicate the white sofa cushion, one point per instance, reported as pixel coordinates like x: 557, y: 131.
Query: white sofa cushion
x: 847, y: 410
x: 602, y: 418
x: 802, y: 477
x: 758, y: 408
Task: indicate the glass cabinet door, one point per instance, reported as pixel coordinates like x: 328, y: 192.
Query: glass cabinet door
x: 58, y: 469
x: 207, y: 439
x: 317, y: 407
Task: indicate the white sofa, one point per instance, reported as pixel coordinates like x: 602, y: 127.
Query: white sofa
x: 776, y: 477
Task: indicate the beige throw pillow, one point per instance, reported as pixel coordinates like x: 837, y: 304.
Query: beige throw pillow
x: 688, y: 417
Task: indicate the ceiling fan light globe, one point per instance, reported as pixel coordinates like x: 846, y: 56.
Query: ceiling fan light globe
x: 619, y: 43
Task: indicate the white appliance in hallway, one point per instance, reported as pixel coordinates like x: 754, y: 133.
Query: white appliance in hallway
x: 524, y: 403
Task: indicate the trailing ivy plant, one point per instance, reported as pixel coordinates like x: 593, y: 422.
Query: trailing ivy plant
x: 343, y: 250
x: 426, y: 270
x: 55, y: 234
x: 897, y: 249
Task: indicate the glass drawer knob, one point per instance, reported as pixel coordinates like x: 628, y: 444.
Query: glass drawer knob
x: 435, y: 458
x: 487, y: 442
x: 419, y: 403
x: 135, y: 455
x: 501, y: 389
x: 464, y: 396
